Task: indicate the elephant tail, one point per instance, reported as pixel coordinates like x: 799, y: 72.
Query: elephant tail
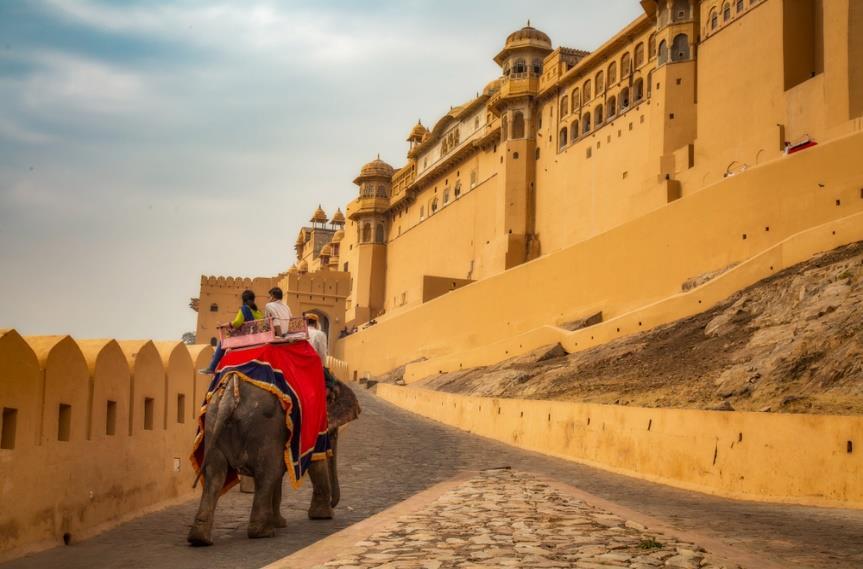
x: 227, y: 404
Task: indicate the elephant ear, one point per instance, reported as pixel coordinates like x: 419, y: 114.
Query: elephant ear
x: 342, y: 405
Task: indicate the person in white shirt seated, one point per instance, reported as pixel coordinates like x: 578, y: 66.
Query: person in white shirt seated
x: 318, y: 340
x: 278, y: 311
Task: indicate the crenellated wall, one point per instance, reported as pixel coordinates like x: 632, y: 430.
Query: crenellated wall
x: 93, y: 432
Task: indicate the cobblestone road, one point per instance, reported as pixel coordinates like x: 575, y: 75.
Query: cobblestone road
x: 505, y: 519
x: 388, y: 455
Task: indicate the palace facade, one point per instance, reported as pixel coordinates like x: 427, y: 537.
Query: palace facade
x: 565, y: 145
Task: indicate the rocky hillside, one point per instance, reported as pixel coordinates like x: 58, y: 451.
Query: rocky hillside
x: 790, y: 343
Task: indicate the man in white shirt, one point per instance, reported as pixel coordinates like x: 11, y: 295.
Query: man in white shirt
x: 317, y: 338
x: 278, y: 311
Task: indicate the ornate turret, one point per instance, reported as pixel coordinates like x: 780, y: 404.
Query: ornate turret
x: 338, y: 218
x: 319, y: 218
x: 417, y: 134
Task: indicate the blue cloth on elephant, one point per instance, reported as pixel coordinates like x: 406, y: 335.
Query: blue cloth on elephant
x: 293, y: 373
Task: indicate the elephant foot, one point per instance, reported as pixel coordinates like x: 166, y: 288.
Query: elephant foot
x: 320, y: 511
x: 199, y: 536
x: 257, y: 531
x: 279, y: 521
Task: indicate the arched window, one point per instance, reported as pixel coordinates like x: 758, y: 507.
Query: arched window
x: 537, y: 66
x: 639, y: 55
x: 651, y: 46
x: 612, y: 107
x: 504, y: 128
x: 726, y: 13
x: 586, y: 91
x: 681, y: 10
x: 612, y: 73
x: 576, y: 99
x: 367, y: 232
x: 520, y: 67
x: 600, y: 82
x: 585, y: 120
x: 714, y: 20
x: 573, y: 130
x: 597, y: 116
x: 446, y: 196
x: 564, y: 106
x: 680, y: 48
x: 379, y: 233
x: 518, y: 125
x: 457, y: 190
x: 433, y: 207
x: 638, y: 87
x: 214, y: 307
x: 624, y: 98
x: 625, y: 65
x: 561, y: 138
x: 663, y: 52
x: 740, y: 6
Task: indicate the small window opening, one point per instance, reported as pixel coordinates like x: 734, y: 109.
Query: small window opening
x: 181, y: 407
x: 111, y: 418
x: 214, y: 307
x: 9, y: 427
x: 149, y: 410
x: 64, y: 422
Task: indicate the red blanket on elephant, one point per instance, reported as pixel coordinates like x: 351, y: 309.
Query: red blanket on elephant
x: 293, y: 373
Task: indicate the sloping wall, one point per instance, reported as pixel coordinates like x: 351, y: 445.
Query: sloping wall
x: 631, y: 266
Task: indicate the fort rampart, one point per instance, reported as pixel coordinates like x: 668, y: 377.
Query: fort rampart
x: 93, y: 432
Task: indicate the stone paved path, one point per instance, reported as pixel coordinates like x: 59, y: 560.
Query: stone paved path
x: 389, y: 455
x: 504, y: 519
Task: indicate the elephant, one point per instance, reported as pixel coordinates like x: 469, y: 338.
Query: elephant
x: 244, y: 429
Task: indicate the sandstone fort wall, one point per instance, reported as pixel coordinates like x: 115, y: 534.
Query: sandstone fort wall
x: 93, y: 432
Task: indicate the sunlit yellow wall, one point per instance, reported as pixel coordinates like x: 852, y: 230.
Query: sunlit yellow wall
x: 756, y: 456
x: 90, y: 478
x: 637, y: 263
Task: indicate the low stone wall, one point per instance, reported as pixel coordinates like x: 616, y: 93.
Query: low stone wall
x: 93, y: 432
x: 804, y: 459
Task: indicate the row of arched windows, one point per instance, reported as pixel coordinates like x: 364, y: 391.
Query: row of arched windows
x: 725, y: 12
x: 366, y: 234
x: 519, y: 68
x: 576, y: 103
x: 517, y: 126
x: 591, y: 120
x: 582, y: 95
x: 368, y: 190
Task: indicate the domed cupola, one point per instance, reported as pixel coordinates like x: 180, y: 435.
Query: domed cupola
x: 417, y: 134
x: 338, y: 236
x: 338, y: 218
x: 377, y: 168
x: 526, y: 40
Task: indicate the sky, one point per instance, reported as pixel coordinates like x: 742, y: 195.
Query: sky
x: 145, y: 143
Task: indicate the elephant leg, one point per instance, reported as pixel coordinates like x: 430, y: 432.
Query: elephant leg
x: 215, y: 472
x: 332, y: 464
x: 320, y: 476
x: 261, y: 519
x: 279, y: 520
